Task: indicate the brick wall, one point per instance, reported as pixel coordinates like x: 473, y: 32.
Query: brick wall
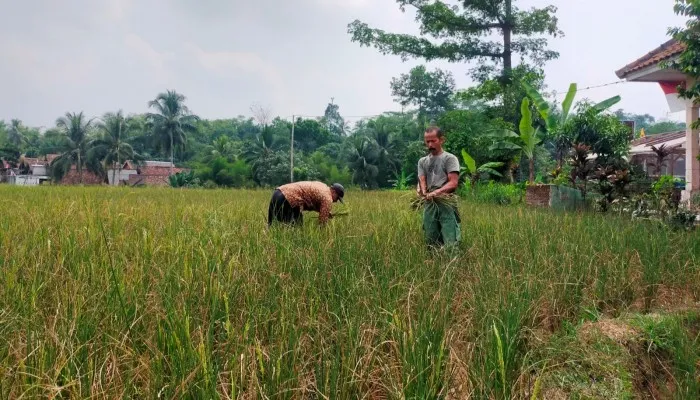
x: 537, y: 195
x: 72, y: 178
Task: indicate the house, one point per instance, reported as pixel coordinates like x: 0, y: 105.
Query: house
x: 30, y: 172
x: 119, y: 176
x: 650, y: 68
x: 153, y: 173
x: 35, y: 171
x: 672, y: 143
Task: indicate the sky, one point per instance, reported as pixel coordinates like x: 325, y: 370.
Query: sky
x: 289, y: 56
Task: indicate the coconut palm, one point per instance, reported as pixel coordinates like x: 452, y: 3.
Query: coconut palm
x: 171, y: 123
x: 112, y: 146
x: 15, y: 134
x: 75, y: 129
x: 363, y: 160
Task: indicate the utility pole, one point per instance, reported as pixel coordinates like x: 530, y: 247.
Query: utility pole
x: 291, y: 153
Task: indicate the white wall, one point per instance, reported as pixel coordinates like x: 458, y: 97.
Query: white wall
x: 123, y: 176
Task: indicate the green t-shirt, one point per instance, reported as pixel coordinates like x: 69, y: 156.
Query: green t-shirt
x: 436, y: 168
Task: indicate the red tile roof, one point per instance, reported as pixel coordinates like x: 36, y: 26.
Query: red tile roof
x: 664, y: 52
x: 653, y: 140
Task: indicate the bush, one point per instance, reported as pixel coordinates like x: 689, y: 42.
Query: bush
x: 494, y: 193
x: 224, y: 173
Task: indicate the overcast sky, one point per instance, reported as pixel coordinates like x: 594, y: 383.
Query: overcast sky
x: 293, y: 56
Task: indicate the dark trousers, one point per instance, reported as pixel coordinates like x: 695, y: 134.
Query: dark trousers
x: 282, y: 211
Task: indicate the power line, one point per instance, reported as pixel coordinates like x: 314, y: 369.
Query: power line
x: 564, y: 92
x: 557, y: 93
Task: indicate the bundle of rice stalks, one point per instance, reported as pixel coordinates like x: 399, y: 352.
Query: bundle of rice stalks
x: 335, y: 214
x: 420, y: 202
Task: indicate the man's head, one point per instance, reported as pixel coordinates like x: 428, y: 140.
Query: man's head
x: 434, y: 139
x: 337, y: 191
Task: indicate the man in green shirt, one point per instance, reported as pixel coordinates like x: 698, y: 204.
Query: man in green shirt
x: 438, y: 174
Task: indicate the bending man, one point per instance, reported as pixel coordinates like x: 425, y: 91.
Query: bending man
x: 288, y: 201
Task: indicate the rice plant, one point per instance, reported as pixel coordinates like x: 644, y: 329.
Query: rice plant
x: 148, y: 293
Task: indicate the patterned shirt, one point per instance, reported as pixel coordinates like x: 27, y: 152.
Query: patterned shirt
x: 312, y: 196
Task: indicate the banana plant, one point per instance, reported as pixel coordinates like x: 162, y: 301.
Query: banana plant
x: 552, y: 123
x: 474, y: 172
x: 525, y: 142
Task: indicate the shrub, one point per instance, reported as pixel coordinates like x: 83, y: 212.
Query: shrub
x: 494, y: 193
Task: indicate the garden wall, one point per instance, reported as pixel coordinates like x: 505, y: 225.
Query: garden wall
x: 553, y: 196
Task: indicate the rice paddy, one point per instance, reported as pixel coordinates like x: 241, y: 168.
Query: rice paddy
x: 163, y: 293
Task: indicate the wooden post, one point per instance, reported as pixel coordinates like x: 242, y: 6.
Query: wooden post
x: 692, y: 164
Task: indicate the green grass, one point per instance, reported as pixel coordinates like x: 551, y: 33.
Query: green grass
x: 140, y: 293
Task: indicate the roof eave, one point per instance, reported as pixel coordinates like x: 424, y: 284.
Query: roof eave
x: 637, y: 74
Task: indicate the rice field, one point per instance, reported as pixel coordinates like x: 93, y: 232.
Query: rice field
x: 163, y: 293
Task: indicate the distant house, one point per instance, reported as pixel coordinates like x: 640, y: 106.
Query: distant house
x: 153, y: 173
x: 642, y: 153
x: 35, y: 171
x: 117, y: 176
x: 30, y: 172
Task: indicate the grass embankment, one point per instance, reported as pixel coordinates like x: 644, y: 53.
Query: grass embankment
x: 183, y: 294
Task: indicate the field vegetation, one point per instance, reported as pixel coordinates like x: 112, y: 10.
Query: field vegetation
x: 164, y: 293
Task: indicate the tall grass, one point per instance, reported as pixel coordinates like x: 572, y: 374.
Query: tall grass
x: 167, y: 293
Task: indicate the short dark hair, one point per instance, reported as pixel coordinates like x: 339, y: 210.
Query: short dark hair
x: 436, y: 130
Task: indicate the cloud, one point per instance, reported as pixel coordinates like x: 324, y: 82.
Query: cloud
x: 117, y: 9
x: 156, y: 60
x: 345, y: 3
x: 227, y: 63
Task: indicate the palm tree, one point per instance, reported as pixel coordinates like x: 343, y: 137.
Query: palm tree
x: 171, y: 122
x: 112, y: 147
x: 363, y: 159
x: 75, y: 129
x: 15, y: 134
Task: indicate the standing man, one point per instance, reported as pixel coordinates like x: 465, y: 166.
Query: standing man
x: 438, y: 174
x: 288, y: 201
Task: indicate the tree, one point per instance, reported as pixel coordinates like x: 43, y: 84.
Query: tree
x: 604, y: 134
x: 363, y: 161
x: 112, y: 147
x: 641, y: 121
x: 75, y: 129
x: 431, y: 92
x: 16, y: 135
x: 462, y: 33
x: 334, y: 122
x: 525, y: 142
x: 556, y: 121
x: 263, y: 115
x: 468, y: 129
x: 3, y: 133
x: 665, y: 126
x: 688, y: 62
x: 490, y: 96
x: 662, y: 153
x: 171, y: 122
x: 309, y: 134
